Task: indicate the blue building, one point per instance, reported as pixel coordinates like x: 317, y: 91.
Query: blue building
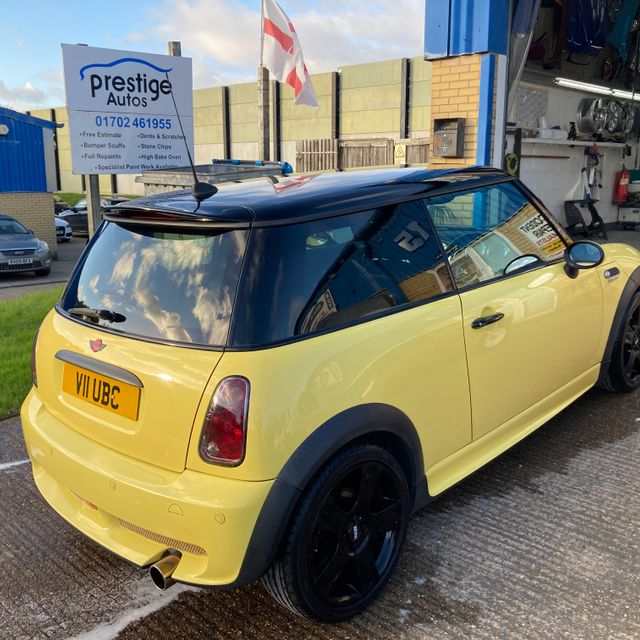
x: 28, y: 171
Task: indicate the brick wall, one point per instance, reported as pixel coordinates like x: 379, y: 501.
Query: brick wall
x: 455, y: 93
x: 35, y: 211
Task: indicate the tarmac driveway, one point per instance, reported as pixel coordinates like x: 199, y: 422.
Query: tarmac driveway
x: 14, y: 285
x: 542, y: 543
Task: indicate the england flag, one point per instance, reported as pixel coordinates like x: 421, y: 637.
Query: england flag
x: 282, y: 54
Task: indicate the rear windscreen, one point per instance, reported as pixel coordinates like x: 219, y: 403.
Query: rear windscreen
x: 159, y: 283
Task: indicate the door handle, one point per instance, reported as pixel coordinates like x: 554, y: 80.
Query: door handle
x: 483, y: 321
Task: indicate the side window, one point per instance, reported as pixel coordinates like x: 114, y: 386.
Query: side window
x: 308, y: 277
x: 394, y: 260
x: 484, y: 232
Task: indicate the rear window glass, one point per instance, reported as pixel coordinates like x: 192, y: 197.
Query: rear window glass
x: 162, y: 284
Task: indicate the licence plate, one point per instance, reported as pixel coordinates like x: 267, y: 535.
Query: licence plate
x: 101, y: 391
x: 14, y: 261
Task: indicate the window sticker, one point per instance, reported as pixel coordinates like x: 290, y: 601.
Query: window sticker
x: 538, y: 231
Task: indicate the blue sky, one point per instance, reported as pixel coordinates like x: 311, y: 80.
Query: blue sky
x: 222, y: 37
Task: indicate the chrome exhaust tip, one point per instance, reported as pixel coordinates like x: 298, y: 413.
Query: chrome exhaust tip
x: 161, y: 572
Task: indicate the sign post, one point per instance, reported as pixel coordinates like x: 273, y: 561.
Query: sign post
x: 94, y: 210
x: 122, y: 117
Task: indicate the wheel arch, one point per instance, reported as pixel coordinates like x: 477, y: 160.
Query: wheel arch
x: 630, y: 289
x: 376, y: 423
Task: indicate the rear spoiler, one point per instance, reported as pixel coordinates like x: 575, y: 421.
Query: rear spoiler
x: 174, y: 218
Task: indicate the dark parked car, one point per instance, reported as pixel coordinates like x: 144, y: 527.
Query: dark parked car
x: 21, y: 250
x: 76, y: 216
x: 77, y: 219
x: 60, y: 206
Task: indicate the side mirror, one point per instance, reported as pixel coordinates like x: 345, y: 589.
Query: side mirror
x: 582, y: 255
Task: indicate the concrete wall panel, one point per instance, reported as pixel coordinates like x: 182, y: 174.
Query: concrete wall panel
x: 420, y: 98
x: 370, y: 99
x: 207, y: 97
x: 208, y: 135
x: 127, y: 185
x: 244, y: 150
x: 205, y: 153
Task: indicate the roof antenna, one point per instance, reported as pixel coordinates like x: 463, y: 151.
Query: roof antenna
x: 201, y: 190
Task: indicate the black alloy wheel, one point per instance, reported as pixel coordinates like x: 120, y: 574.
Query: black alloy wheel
x: 631, y: 345
x: 624, y: 370
x: 346, y: 538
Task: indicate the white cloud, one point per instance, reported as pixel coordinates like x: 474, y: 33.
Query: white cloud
x: 213, y: 30
x: 223, y: 36
x: 361, y: 31
x: 223, y: 39
x: 22, y: 97
x: 47, y: 90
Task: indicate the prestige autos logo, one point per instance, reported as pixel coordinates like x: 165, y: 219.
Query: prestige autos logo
x: 126, y: 90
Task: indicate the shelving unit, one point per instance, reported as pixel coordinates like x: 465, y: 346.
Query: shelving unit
x: 573, y: 143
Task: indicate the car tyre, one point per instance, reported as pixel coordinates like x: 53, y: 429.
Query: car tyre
x: 623, y: 374
x: 346, y: 537
x: 43, y: 272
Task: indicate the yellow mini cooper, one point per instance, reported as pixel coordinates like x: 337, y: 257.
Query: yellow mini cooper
x: 267, y: 383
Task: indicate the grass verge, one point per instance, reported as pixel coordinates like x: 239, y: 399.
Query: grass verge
x: 19, y: 321
x: 70, y: 198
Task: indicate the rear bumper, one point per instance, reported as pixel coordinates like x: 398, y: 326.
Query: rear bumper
x: 137, y: 510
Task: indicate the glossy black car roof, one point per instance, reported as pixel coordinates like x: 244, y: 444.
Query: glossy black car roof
x: 274, y: 200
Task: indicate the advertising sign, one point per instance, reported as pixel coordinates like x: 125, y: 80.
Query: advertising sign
x: 538, y: 231
x: 122, y: 117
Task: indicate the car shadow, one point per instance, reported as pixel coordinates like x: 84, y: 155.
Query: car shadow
x: 597, y: 419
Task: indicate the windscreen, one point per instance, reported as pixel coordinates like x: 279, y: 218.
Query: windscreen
x: 10, y: 227
x: 159, y: 282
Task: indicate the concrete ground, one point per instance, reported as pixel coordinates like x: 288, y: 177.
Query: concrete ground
x: 626, y: 236
x: 541, y: 543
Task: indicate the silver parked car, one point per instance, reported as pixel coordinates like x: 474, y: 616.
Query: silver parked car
x: 21, y: 250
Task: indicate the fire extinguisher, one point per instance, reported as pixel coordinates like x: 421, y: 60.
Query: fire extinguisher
x: 621, y: 187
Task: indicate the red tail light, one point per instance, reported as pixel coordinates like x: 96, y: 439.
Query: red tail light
x: 225, y: 426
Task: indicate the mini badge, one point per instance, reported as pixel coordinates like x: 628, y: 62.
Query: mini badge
x: 97, y: 345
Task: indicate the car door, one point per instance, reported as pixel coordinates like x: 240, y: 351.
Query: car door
x: 529, y: 329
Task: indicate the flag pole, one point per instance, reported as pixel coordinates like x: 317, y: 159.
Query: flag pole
x: 263, y: 97
x: 261, y: 33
